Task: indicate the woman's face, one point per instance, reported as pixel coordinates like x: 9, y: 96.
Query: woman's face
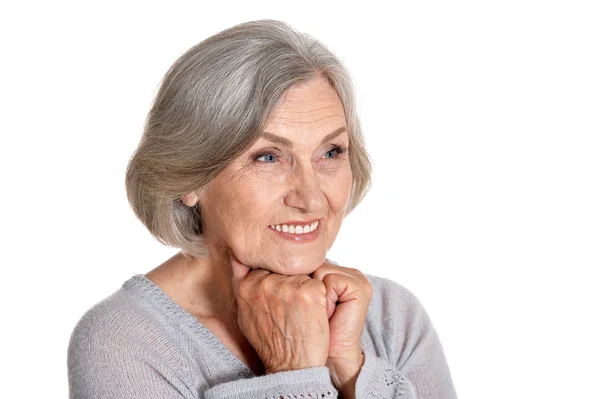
x: 297, y: 174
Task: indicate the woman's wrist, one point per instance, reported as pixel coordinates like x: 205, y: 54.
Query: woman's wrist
x: 344, y: 373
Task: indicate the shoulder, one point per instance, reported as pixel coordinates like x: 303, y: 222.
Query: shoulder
x: 134, y: 316
x: 109, y: 331
x: 115, y: 318
x: 122, y: 338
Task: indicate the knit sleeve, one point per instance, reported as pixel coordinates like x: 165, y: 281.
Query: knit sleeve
x: 296, y: 384
x: 411, y: 363
x: 378, y: 378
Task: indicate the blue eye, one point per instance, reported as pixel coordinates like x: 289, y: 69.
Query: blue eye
x: 269, y: 157
x: 333, y: 152
x: 336, y: 151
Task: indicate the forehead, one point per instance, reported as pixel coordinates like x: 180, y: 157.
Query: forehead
x: 312, y: 108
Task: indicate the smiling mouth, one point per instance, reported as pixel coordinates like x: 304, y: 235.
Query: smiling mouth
x: 297, y: 233
x: 296, y: 229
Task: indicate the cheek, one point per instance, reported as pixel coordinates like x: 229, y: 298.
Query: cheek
x: 248, y: 206
x: 338, y: 190
x: 225, y: 206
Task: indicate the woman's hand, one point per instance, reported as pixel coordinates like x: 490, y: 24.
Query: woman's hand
x: 283, y: 317
x: 348, y: 295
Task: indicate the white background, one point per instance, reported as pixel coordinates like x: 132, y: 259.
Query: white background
x: 482, y: 120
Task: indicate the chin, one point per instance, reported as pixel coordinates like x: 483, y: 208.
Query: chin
x: 294, y: 265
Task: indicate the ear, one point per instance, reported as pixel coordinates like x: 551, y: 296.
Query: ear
x: 190, y: 199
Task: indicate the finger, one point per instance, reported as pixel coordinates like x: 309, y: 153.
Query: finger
x: 327, y: 268
x: 342, y: 288
x: 331, y: 303
x: 330, y: 294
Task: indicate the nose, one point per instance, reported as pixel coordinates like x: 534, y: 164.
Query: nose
x: 305, y: 193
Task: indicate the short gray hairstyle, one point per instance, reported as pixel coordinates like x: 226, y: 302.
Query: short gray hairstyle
x: 212, y: 105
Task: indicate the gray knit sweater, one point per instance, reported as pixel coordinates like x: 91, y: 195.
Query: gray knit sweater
x: 138, y: 343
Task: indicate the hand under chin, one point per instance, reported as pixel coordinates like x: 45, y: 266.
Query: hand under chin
x: 291, y: 267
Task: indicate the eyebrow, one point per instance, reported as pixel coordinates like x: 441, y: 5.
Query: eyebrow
x: 288, y: 143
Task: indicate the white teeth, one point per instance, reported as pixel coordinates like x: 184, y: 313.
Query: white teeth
x: 296, y: 229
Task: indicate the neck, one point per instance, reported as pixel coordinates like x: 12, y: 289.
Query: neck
x: 212, y: 276
x: 202, y: 286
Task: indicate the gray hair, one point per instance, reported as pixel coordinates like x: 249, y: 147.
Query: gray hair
x: 212, y: 106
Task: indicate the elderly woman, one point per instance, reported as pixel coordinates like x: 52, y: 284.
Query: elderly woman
x: 251, y: 157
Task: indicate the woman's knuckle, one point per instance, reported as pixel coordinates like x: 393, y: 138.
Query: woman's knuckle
x: 306, y: 296
x: 245, y: 287
x: 318, y: 274
x: 328, y: 277
x: 266, y: 284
